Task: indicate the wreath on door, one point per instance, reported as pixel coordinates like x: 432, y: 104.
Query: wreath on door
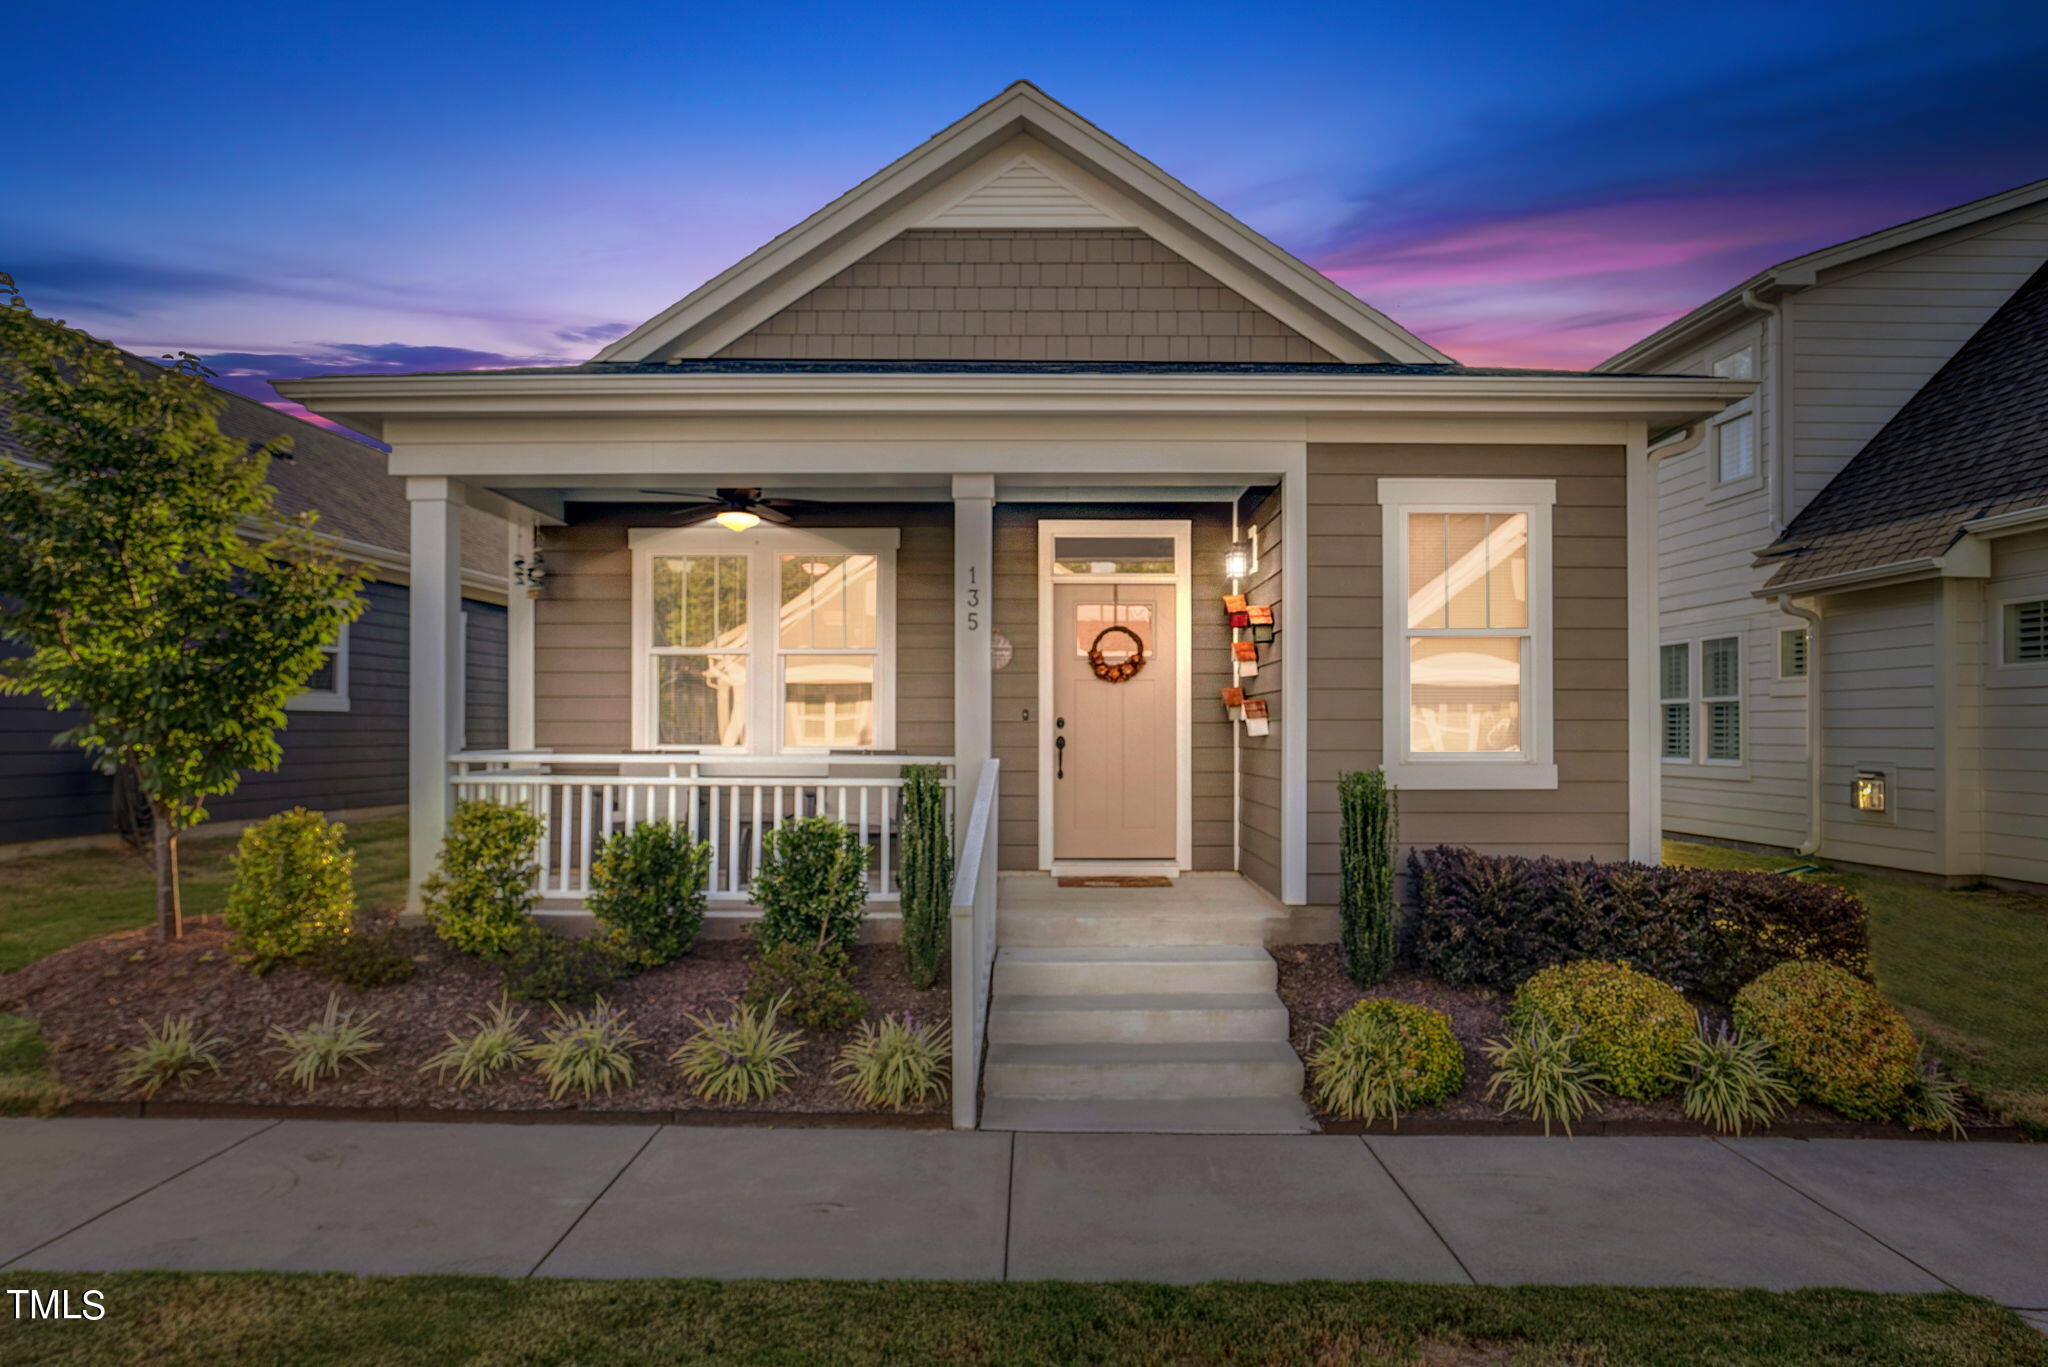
x: 1123, y: 669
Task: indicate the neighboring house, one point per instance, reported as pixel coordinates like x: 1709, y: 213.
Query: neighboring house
x: 1839, y: 340
x: 344, y: 746
x: 1016, y: 395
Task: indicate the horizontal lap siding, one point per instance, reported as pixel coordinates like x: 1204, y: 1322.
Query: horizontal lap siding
x: 1259, y: 759
x: 1587, y: 815
x: 1882, y: 709
x: 2013, y: 724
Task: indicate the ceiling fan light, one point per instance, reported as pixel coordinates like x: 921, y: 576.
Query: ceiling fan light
x: 737, y: 520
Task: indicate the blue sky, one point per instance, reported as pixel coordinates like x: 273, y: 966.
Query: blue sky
x: 291, y: 190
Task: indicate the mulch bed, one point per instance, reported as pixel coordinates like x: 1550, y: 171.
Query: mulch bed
x: 1316, y: 990
x: 88, y: 1000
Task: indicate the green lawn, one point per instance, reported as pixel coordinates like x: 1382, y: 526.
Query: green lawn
x: 170, y: 1319
x: 1966, y: 966
x: 60, y: 899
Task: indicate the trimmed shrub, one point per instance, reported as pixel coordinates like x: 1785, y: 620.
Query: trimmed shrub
x: 895, y: 1064
x: 1836, y: 1040
x: 741, y: 1058
x: 294, y: 888
x: 478, y: 899
x: 1730, y: 1081
x: 811, y: 984
x: 1631, y: 1027
x: 1370, y: 823
x: 812, y: 885
x: 647, y: 885
x: 572, y: 969
x: 925, y: 874
x: 1537, y: 1069
x: 1383, y: 1057
x: 1492, y: 920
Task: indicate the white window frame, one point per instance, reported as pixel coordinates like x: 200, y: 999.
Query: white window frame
x: 2000, y: 657
x: 1747, y: 353
x: 764, y: 546
x: 1728, y: 488
x: 1534, y: 766
x: 333, y: 699
x: 1695, y: 640
x: 1702, y: 730
x: 1685, y: 700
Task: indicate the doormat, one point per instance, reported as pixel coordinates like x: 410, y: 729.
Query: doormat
x: 1119, y: 881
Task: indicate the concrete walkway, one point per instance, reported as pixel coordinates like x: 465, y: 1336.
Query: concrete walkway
x: 630, y: 1200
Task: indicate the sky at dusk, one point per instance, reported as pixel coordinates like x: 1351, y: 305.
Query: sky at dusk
x: 325, y: 188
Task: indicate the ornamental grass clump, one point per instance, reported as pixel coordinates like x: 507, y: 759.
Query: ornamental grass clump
x: 586, y: 1050
x: 1835, y: 1039
x: 1383, y: 1057
x: 294, y: 888
x: 1729, y: 1081
x: 1537, y: 1070
x: 895, y: 1064
x: 170, y: 1057
x: 648, y: 887
x: 742, y: 1058
x: 1632, y: 1028
x: 1935, y: 1101
x: 478, y: 898
x: 497, y: 1043
x: 320, y: 1050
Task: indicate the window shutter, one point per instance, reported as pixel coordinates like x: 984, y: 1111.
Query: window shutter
x: 1792, y: 654
x: 1736, y: 448
x: 2026, y: 631
x: 1720, y: 663
x: 1678, y: 730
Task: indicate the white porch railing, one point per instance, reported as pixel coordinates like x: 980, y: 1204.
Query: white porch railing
x: 728, y: 801
x: 973, y: 943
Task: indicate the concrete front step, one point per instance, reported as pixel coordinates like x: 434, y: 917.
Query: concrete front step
x: 1221, y: 1115
x: 1137, y: 1018
x: 1138, y: 1072
x: 1134, y: 928
x: 1053, y: 971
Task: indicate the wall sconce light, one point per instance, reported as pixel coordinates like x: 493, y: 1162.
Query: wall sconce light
x: 1237, y: 561
x: 1868, y: 792
x: 529, y: 574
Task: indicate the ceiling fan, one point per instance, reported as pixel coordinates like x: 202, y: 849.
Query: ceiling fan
x: 737, y: 509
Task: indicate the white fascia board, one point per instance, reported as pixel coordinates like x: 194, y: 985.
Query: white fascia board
x: 1020, y: 108
x: 2008, y: 523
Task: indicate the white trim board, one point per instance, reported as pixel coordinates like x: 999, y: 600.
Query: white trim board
x: 1182, y: 532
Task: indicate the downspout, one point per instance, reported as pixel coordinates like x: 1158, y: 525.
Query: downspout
x: 1811, y: 845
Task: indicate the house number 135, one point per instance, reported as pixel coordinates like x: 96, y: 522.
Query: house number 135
x: 973, y: 600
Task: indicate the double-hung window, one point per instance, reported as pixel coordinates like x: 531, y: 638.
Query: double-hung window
x: 327, y: 690
x: 1700, y: 696
x: 1468, y: 632
x: 768, y: 642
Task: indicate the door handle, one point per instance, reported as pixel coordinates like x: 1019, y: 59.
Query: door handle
x: 1059, y: 750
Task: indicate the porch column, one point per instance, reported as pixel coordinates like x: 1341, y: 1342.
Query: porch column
x: 434, y: 635
x: 518, y: 640
x: 1645, y: 767
x: 974, y: 498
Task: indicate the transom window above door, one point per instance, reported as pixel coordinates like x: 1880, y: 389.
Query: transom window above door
x: 713, y: 673
x: 1078, y: 556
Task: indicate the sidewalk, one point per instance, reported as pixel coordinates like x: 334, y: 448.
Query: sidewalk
x: 654, y: 1201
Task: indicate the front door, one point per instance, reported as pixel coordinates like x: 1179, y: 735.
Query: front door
x: 1115, y: 762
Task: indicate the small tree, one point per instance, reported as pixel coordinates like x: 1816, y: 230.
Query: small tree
x: 147, y: 577
x: 926, y: 874
x: 1370, y: 822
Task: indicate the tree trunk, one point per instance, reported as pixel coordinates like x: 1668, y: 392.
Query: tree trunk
x: 169, y: 924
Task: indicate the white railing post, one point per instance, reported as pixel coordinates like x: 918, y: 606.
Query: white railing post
x: 972, y: 919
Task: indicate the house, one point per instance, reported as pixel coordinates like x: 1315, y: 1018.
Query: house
x: 1840, y: 341
x: 925, y: 475
x: 344, y: 749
